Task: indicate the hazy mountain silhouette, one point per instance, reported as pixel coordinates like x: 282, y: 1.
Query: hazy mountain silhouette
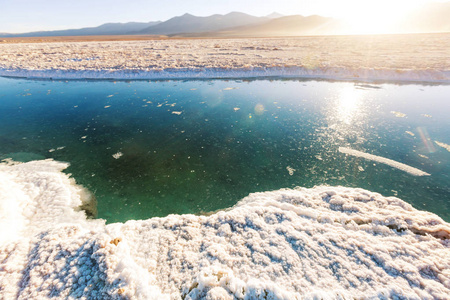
x: 289, y: 26
x: 105, y: 29
x: 188, y: 23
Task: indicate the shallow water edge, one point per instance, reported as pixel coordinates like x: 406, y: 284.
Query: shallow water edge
x: 380, y: 75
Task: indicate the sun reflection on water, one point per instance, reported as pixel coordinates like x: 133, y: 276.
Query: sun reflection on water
x: 345, y: 114
x: 348, y: 104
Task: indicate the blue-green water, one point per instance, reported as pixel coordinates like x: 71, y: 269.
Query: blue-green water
x: 153, y: 148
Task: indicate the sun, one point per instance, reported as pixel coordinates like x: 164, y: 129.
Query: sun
x: 371, y: 17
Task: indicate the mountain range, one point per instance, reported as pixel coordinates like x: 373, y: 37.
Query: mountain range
x: 105, y: 29
x: 188, y: 23
x: 431, y: 18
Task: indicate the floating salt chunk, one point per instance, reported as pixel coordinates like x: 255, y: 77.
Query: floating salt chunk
x: 426, y: 116
x: 109, y: 96
x: 410, y: 133
x: 107, y: 106
x: 236, y: 108
x: 117, y: 155
x: 290, y: 170
x: 443, y: 145
x: 177, y: 112
x: 383, y: 160
x: 398, y: 114
x: 84, y: 137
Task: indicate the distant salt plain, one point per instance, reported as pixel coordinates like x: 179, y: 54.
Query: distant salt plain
x: 416, y: 57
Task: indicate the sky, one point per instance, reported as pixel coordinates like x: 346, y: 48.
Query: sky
x: 18, y: 16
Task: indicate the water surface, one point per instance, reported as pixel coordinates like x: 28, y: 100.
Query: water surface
x: 154, y: 148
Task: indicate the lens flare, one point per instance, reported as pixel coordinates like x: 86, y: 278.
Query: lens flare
x: 425, y: 137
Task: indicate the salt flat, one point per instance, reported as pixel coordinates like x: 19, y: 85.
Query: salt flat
x: 416, y: 57
x: 320, y: 243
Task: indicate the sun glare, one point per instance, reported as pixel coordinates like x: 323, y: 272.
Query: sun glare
x: 348, y: 103
x: 364, y: 17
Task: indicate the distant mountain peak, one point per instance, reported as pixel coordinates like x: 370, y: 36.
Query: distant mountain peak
x: 236, y: 13
x: 274, y: 15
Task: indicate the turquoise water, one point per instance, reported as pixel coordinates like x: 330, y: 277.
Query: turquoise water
x: 154, y: 148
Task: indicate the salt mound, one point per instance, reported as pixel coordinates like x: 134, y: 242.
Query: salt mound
x: 325, y: 242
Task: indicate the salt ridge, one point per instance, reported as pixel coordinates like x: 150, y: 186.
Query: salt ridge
x: 383, y: 160
x: 328, y: 242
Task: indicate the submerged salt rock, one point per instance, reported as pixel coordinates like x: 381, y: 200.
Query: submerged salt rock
x: 324, y: 242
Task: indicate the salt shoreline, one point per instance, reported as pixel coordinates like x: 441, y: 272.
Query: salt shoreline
x: 361, y: 75
x: 404, y: 58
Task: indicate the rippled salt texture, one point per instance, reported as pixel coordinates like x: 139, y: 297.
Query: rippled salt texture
x: 414, y: 57
x: 327, y: 242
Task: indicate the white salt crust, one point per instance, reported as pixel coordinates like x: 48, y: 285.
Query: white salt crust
x: 411, y: 58
x: 319, y: 243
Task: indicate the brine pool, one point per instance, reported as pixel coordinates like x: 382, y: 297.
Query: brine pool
x: 153, y: 148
